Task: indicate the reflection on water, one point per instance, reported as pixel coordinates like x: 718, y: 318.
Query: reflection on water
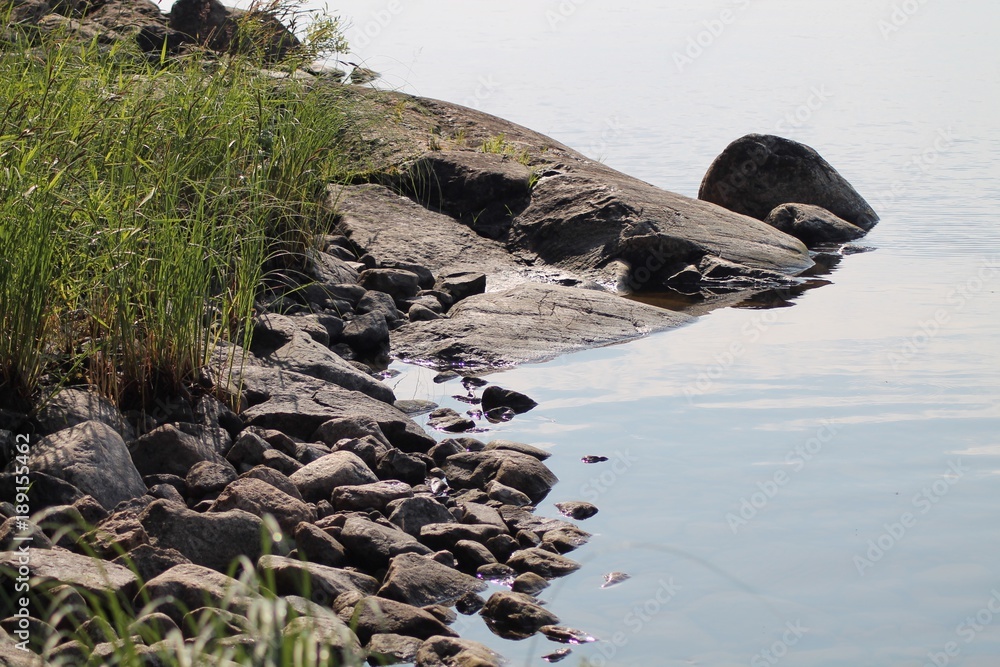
x: 814, y: 485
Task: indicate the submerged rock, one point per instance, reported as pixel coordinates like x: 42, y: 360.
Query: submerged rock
x: 758, y: 172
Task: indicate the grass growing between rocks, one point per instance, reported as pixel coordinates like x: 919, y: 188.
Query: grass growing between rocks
x: 249, y: 626
x: 140, y: 202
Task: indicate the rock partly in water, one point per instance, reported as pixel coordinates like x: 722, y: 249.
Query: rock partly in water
x: 813, y: 225
x: 543, y: 563
x: 453, y: 652
x: 498, y: 397
x: 529, y: 322
x: 577, y: 510
x: 757, y: 173
x: 420, y: 581
x: 516, y: 615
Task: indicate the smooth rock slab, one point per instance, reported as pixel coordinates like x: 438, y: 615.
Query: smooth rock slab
x: 421, y: 581
x: 526, y: 323
x: 212, y: 540
x: 322, y: 634
x: 370, y: 496
x: 92, y: 457
x: 83, y: 572
x: 387, y: 649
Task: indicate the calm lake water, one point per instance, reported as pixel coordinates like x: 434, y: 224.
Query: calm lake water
x: 812, y: 485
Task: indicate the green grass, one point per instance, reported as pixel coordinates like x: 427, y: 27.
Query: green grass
x: 89, y: 620
x: 139, y: 203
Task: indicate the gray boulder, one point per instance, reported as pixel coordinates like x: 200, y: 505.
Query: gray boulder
x: 57, y: 566
x: 302, y: 354
x: 186, y: 587
x: 372, y: 545
x: 388, y: 649
x: 320, y: 584
x: 375, y: 615
x: 169, y: 450
x: 367, y: 333
x: 420, y: 581
x: 757, y: 173
x: 397, y: 283
x: 317, y: 480
x: 543, y: 563
x: 514, y: 469
x: 317, y: 546
x: 813, y: 225
x: 370, y: 496
x: 149, y: 561
x: 301, y: 413
x: 516, y: 615
x: 329, y: 635
x: 92, y: 457
x: 260, y: 498
x: 213, y: 540
x: 75, y: 406
x: 208, y: 478
x: 412, y: 514
x: 454, y: 652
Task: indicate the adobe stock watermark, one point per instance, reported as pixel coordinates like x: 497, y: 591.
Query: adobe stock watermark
x: 713, y: 29
x: 22, y: 540
x: 597, y: 486
x: 957, y: 298
x: 363, y: 34
x: 773, y: 654
x: 916, y: 168
x: 797, y: 458
x: 803, y: 113
x: 902, y: 13
x: 486, y: 86
x: 751, y: 331
x: 563, y: 12
x: 635, y: 622
x: 967, y: 632
x: 923, y: 502
x: 612, y: 129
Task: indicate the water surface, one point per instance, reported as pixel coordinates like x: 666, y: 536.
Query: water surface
x: 811, y: 485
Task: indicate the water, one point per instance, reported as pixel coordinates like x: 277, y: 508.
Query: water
x: 813, y: 485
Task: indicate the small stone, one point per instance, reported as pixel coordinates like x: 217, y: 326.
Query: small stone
x: 415, y: 407
x: 529, y: 583
x: 541, y: 562
x: 614, y: 578
x: 594, y: 459
x: 446, y: 419
x: 564, y: 635
x: 577, y: 510
x: 556, y: 656
x: 469, y: 604
x: 499, y: 415
x: 515, y: 615
x: 498, y: 397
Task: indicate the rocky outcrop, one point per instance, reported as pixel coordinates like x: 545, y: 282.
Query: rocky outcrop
x: 529, y: 322
x: 757, y: 173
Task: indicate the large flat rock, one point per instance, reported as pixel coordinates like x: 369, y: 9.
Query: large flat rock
x: 528, y: 322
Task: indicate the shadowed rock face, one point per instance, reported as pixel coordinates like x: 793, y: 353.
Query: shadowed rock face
x: 758, y: 172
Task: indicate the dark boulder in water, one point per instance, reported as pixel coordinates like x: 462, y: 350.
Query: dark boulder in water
x: 759, y: 172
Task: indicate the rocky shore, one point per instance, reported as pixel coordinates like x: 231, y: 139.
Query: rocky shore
x: 291, y: 479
